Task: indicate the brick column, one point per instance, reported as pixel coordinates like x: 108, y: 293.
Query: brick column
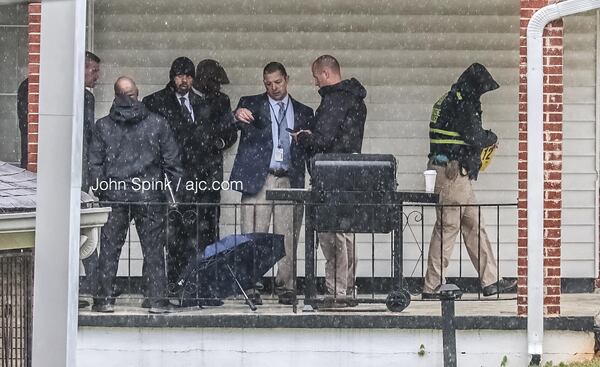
x: 35, y: 15
x: 553, y: 138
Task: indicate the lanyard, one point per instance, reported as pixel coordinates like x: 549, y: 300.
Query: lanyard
x: 284, y: 116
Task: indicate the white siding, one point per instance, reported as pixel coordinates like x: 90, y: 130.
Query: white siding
x: 407, y: 53
x: 579, y: 157
x: 13, y: 69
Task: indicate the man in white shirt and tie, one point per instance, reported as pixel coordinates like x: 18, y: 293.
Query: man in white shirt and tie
x: 268, y: 158
x: 200, y: 139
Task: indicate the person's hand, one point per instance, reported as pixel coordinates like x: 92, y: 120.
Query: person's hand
x: 219, y: 144
x: 295, y: 135
x: 244, y: 115
x: 92, y: 194
x: 452, y: 170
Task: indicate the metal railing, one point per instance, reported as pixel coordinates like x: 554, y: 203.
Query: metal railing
x: 372, y: 280
x: 16, y: 293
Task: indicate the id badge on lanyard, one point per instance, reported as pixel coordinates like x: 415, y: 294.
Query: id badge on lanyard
x: 279, y: 154
x: 279, y: 148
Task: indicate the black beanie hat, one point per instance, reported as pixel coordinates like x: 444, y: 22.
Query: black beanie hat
x: 209, y: 69
x: 182, y: 66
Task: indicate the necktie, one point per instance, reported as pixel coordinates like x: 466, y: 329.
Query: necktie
x: 284, y: 139
x: 185, y: 111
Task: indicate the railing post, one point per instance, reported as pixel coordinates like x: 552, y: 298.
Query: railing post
x: 448, y: 294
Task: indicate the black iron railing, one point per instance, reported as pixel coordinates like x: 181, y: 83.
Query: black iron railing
x: 16, y: 293
x: 373, y: 280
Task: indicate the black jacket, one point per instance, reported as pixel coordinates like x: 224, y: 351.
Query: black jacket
x: 460, y: 112
x: 88, y: 123
x: 22, y: 114
x: 202, y: 143
x: 89, y: 102
x: 129, y: 146
x: 339, y: 120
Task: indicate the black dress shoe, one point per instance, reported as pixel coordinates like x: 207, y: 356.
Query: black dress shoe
x: 211, y: 302
x: 501, y: 286
x: 334, y: 302
x: 351, y: 302
x: 103, y: 307
x: 162, y: 307
x: 287, y: 297
x: 255, y: 298
x: 117, y: 291
x: 188, y: 303
x: 148, y: 303
x: 83, y: 303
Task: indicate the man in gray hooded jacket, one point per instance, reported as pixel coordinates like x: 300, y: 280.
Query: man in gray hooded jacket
x: 133, y: 158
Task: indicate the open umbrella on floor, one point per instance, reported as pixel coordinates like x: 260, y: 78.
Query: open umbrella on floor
x: 232, y: 264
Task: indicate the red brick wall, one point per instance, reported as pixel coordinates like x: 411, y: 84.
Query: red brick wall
x: 35, y: 14
x: 553, y: 138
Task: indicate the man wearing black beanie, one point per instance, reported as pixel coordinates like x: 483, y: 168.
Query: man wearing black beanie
x: 191, y: 227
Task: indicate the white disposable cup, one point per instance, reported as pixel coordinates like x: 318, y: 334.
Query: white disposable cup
x: 430, y: 175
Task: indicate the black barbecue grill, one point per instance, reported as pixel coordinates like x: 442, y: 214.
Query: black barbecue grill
x: 354, y: 193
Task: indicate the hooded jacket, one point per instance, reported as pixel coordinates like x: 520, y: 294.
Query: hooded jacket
x: 339, y: 120
x: 130, y: 146
x: 456, y: 130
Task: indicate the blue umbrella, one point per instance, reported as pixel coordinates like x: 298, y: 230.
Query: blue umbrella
x: 232, y: 264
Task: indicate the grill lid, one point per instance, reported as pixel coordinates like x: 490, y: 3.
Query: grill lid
x: 353, y: 172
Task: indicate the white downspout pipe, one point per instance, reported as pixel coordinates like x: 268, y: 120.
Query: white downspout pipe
x: 535, y: 164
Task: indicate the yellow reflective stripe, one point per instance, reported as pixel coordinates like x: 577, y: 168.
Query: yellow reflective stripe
x: 447, y: 141
x: 459, y: 96
x: 444, y: 132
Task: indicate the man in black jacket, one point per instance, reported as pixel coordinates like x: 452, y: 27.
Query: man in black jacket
x: 202, y: 131
x: 339, y: 128
x: 92, y: 73
x: 456, y: 141
x: 23, y: 118
x: 133, y: 158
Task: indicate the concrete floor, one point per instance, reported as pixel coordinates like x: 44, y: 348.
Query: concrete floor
x: 581, y: 304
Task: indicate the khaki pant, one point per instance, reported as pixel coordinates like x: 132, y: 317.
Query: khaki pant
x: 340, y: 262
x: 256, y: 217
x: 454, y: 192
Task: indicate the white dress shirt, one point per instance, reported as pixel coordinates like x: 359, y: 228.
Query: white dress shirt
x: 188, y: 105
x: 289, y: 117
